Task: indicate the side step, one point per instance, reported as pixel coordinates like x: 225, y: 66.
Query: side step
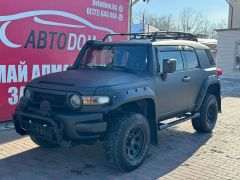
x: 162, y: 126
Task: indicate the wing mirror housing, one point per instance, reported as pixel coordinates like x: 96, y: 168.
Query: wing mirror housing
x: 169, y: 66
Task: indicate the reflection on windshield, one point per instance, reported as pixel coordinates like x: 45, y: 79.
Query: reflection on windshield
x: 119, y: 57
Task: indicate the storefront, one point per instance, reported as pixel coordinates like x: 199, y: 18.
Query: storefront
x: 43, y: 37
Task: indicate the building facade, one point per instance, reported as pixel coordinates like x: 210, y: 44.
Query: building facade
x: 228, y: 53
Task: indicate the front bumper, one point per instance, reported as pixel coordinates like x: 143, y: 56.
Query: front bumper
x: 61, y: 127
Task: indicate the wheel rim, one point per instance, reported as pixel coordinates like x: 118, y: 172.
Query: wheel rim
x: 211, y: 114
x: 134, y: 143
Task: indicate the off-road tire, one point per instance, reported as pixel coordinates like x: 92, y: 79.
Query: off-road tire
x: 122, y: 128
x: 43, y: 143
x: 208, y: 115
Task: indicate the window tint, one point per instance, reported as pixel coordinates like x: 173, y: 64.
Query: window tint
x: 204, y: 58
x: 210, y: 57
x: 108, y: 56
x: 191, y: 58
x: 171, y: 55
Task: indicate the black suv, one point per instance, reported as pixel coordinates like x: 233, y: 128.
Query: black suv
x: 122, y: 93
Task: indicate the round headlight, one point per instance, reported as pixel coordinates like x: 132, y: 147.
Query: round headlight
x: 75, y: 101
x: 27, y: 93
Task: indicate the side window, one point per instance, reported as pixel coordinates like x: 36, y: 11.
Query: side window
x: 191, y: 59
x: 210, y: 57
x: 205, y: 58
x: 171, y: 55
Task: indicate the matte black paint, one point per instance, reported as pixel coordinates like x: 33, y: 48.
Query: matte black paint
x: 180, y: 92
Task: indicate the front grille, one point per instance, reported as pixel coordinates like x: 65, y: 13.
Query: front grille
x: 56, y: 100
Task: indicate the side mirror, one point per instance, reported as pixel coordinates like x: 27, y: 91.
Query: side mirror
x: 169, y: 66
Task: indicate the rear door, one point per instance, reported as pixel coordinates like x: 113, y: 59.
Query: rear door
x: 172, y: 93
x: 194, y: 73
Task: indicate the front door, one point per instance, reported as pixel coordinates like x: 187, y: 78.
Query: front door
x: 173, y: 92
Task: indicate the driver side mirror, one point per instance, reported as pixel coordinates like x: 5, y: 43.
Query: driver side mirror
x: 169, y: 66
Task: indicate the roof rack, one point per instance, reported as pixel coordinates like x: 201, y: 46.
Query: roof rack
x: 174, y: 35
x: 131, y: 35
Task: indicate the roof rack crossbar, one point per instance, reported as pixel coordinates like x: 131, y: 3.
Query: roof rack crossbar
x: 135, y: 35
x: 176, y: 35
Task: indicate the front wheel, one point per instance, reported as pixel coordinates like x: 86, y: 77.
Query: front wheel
x: 127, y: 141
x: 209, y: 113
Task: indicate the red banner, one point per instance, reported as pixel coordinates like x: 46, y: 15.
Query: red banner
x: 43, y: 37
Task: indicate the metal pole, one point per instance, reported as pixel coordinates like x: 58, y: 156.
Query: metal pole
x: 130, y: 25
x: 143, y: 23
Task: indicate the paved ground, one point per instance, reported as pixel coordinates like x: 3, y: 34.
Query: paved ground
x: 182, y: 153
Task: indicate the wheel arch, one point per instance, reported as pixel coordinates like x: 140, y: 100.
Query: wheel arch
x: 209, y: 87
x: 215, y: 89
x: 142, y: 101
x: 146, y: 107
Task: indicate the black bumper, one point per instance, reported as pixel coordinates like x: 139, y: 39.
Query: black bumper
x: 60, y: 128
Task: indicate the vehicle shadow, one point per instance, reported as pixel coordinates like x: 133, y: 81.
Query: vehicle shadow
x: 88, y: 162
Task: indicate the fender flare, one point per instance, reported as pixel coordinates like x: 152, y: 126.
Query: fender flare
x: 132, y: 95
x: 207, y: 83
x: 135, y: 94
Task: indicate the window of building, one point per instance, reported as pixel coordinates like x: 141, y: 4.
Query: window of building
x: 237, y: 58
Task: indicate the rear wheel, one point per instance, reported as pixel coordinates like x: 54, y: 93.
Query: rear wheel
x: 209, y: 113
x: 43, y: 143
x: 127, y: 141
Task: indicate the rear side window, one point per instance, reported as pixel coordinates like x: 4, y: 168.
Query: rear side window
x: 210, y: 57
x: 205, y: 58
x: 191, y: 59
x: 171, y: 55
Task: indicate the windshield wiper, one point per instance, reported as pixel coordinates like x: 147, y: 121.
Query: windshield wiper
x: 99, y: 67
x: 131, y: 70
x: 124, y: 68
x: 88, y: 66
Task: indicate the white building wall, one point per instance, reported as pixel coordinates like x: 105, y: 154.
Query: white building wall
x: 226, y: 52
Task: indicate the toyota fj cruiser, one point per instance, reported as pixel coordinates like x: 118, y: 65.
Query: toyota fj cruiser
x: 122, y: 93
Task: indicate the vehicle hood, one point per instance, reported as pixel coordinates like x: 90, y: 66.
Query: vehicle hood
x: 86, y: 80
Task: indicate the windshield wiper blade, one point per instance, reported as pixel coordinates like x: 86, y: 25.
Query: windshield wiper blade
x: 99, y: 67
x: 124, y: 68
x: 88, y: 66
x: 131, y: 70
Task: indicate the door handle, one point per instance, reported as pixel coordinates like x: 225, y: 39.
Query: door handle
x: 186, y: 79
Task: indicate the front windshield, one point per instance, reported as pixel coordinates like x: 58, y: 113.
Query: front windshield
x: 116, y: 56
